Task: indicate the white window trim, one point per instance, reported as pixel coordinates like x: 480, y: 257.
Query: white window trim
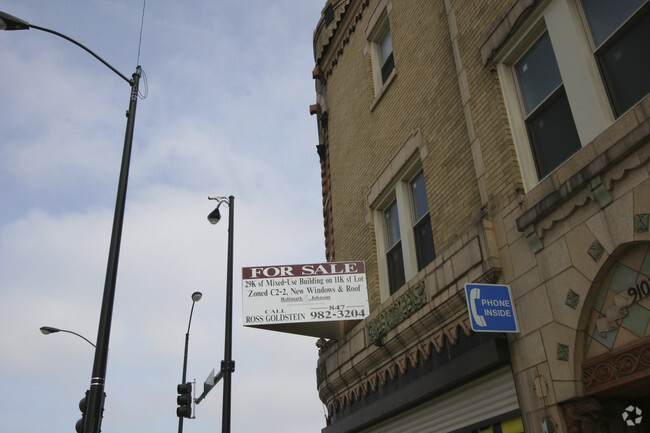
x: 583, y: 85
x: 377, y: 26
x: 398, y: 191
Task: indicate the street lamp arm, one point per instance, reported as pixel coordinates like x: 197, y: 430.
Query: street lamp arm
x: 9, y: 22
x: 80, y: 336
x: 84, y: 48
x: 51, y: 330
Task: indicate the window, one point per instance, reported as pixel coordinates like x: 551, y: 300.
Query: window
x: 568, y: 73
x: 380, y: 47
x: 551, y: 129
x: 422, y: 232
x: 620, y: 33
x: 404, y: 234
x: 386, y: 55
x: 394, y: 257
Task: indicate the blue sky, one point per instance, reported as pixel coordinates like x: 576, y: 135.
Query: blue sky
x: 228, y: 87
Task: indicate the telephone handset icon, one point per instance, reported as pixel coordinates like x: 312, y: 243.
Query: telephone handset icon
x: 474, y: 295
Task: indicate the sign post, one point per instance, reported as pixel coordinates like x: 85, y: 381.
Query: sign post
x: 209, y: 383
x: 491, y: 308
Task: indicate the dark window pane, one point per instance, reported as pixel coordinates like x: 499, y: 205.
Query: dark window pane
x: 605, y: 16
x: 553, y: 134
x: 625, y: 64
x: 387, y: 68
x: 386, y: 46
x: 419, y: 197
x: 537, y: 73
x: 386, y: 55
x: 424, y: 242
x: 396, y: 277
x: 391, y: 222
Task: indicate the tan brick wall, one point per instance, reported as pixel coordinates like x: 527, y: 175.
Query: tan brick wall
x: 424, y: 95
x: 475, y: 21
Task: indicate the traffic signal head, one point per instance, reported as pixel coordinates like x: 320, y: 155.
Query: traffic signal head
x: 83, y: 407
x: 184, y: 400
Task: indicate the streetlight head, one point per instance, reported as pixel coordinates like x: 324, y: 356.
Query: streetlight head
x: 49, y: 330
x: 215, y: 215
x: 196, y: 296
x: 10, y: 22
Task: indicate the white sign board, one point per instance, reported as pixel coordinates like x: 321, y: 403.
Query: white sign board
x: 304, y: 293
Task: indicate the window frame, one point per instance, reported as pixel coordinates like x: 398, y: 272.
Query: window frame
x: 598, y: 49
x: 541, y: 108
x: 584, y: 87
x: 399, y: 192
x: 378, y: 26
x: 393, y: 249
x: 389, y: 61
x: 418, y: 222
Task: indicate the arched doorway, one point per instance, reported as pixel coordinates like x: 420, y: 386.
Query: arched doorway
x: 616, y: 357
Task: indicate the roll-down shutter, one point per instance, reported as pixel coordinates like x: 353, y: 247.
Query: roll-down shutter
x: 482, y: 399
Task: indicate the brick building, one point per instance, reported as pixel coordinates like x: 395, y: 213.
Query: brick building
x: 499, y: 142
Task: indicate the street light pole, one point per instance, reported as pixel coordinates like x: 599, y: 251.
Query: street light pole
x: 195, y: 298
x: 98, y: 378
x: 227, y: 365
x: 95, y: 400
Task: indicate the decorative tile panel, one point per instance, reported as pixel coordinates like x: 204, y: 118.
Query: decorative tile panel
x: 596, y: 251
x: 401, y: 309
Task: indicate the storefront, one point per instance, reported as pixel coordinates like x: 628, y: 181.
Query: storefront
x: 487, y: 404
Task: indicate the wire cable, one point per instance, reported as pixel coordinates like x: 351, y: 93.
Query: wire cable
x: 144, y: 4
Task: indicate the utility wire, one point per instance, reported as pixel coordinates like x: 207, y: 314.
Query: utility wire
x: 144, y: 4
x: 142, y: 94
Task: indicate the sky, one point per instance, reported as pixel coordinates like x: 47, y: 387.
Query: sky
x: 224, y: 111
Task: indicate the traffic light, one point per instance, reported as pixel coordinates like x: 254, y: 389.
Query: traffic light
x: 83, y: 407
x: 184, y: 400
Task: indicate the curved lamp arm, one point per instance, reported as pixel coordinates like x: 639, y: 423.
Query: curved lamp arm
x: 50, y: 330
x: 9, y: 22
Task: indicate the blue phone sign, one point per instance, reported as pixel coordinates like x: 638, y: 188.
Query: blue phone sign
x: 491, y: 308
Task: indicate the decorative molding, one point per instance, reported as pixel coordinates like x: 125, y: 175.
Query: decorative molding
x: 621, y: 171
x: 596, y: 180
x: 579, y: 202
x: 400, y: 363
x: 627, y: 364
x: 328, y: 26
x: 600, y: 193
x: 321, y: 46
x: 533, y: 239
x: 321, y: 372
x: 400, y: 310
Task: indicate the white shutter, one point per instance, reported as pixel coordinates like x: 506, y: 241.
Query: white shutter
x: 489, y: 396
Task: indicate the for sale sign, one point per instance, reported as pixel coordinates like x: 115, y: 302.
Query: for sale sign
x: 304, y: 293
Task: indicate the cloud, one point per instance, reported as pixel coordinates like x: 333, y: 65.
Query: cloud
x: 229, y: 87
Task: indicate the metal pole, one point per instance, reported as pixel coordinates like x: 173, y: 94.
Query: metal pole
x: 96, y: 395
x: 187, y: 340
x: 228, y: 366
